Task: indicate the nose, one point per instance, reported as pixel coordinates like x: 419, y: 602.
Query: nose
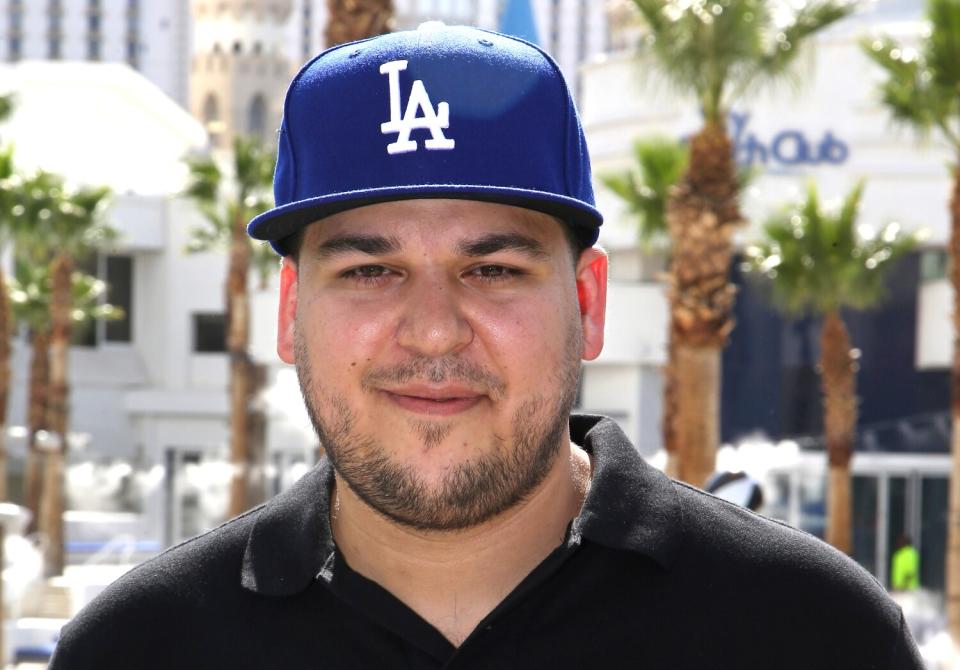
x: 433, y: 322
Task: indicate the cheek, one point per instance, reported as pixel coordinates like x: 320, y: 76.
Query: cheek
x: 341, y: 337
x: 527, y: 338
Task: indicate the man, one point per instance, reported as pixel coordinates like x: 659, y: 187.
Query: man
x: 439, y: 288
x: 905, y: 565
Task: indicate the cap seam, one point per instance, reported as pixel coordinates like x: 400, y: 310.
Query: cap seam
x: 566, y: 89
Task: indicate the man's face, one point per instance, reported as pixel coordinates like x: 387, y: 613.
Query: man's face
x: 438, y: 346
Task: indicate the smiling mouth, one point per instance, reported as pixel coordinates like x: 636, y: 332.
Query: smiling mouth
x: 434, y: 406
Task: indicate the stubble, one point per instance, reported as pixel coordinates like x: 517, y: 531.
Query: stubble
x: 475, y: 490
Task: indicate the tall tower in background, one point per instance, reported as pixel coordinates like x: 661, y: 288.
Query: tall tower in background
x: 240, y: 67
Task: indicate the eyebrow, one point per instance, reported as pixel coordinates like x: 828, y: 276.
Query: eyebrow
x: 373, y: 245
x: 494, y: 242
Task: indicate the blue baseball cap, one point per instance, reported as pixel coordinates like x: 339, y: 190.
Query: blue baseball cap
x: 437, y: 112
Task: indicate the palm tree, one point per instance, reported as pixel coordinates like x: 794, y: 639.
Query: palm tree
x: 76, y: 228
x: 351, y: 20
x: 658, y: 165
x: 32, y: 295
x: 6, y: 171
x: 53, y: 224
x: 228, y: 200
x: 920, y: 91
x: 8, y: 186
x: 716, y: 52
x: 34, y: 200
x: 820, y: 262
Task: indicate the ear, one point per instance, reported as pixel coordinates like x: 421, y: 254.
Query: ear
x: 592, y: 295
x: 286, y: 318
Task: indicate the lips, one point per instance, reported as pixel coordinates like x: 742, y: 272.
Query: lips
x: 434, y: 401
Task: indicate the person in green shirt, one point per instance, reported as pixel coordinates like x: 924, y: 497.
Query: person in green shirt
x: 905, y: 566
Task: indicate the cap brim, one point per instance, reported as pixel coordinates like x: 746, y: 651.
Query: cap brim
x: 279, y: 224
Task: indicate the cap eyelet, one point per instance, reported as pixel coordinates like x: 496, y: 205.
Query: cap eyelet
x: 354, y: 54
x: 485, y: 42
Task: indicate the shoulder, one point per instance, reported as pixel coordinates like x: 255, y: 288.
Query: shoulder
x: 735, y: 536
x: 740, y: 542
x: 164, y: 595
x: 771, y: 574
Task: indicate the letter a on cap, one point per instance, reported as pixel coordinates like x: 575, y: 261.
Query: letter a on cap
x: 433, y: 120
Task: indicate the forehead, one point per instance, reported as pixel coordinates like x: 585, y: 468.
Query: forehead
x: 437, y: 221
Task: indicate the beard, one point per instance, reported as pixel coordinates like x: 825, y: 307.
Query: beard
x: 472, y: 491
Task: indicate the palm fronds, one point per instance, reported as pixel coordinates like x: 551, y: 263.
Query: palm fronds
x: 819, y: 260
x: 227, y: 193
x: 717, y: 51
x: 921, y: 84
x: 658, y: 164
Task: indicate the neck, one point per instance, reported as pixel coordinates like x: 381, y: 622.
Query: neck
x: 454, y: 579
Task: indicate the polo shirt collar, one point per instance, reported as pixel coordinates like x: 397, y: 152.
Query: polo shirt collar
x: 630, y: 506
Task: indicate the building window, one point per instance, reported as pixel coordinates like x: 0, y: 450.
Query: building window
x: 933, y: 264
x: 257, y: 118
x: 117, y: 272
x: 133, y: 33
x: 209, y: 333
x: 133, y: 53
x: 306, y: 41
x: 582, y: 33
x: 119, y: 276
x: 54, y: 30
x: 555, y: 27
x: 16, y: 17
x: 93, y: 29
x: 210, y: 114
x: 15, y: 21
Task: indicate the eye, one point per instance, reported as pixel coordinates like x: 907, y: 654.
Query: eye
x: 366, y: 274
x: 494, y: 273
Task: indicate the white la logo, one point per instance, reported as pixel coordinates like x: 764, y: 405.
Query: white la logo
x: 434, y: 121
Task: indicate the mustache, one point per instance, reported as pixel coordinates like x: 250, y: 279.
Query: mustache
x: 435, y: 371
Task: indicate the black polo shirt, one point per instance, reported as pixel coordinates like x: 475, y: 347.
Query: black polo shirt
x: 652, y: 574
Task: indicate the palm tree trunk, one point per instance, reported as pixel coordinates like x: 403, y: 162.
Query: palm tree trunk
x: 51, y: 514
x: 241, y: 371
x: 953, y: 525
x: 838, y: 382
x: 351, y: 20
x: 698, y: 424
x: 3, y: 617
x: 5, y: 334
x: 702, y: 214
x: 51, y: 510
x: 668, y: 418
x: 36, y: 421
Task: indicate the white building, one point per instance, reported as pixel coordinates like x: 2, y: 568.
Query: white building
x: 833, y: 131
x: 148, y: 396
x: 837, y: 101
x: 153, y: 37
